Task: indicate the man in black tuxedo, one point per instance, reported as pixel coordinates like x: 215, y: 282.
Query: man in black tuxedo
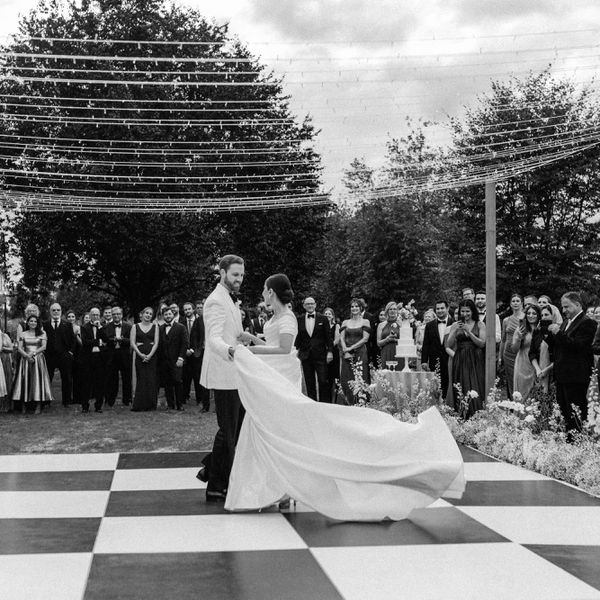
x: 315, y: 350
x: 192, y: 366
x: 172, y: 346
x: 258, y: 323
x: 571, y: 344
x: 93, y: 363
x: 118, y: 357
x: 60, y: 349
x: 433, y: 353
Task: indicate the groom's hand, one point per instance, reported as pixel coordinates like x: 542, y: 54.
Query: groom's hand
x: 244, y: 337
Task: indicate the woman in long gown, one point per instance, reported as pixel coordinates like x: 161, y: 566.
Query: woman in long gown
x: 348, y: 463
x: 354, y: 335
x: 540, y: 354
x: 144, y: 341
x: 32, y: 383
x: 6, y: 352
x: 333, y: 368
x: 467, y: 339
x: 525, y: 372
x: 387, y: 335
x: 506, y: 355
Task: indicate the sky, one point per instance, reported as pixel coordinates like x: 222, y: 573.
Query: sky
x: 359, y: 68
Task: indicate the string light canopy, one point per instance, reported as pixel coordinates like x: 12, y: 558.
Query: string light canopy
x: 161, y: 126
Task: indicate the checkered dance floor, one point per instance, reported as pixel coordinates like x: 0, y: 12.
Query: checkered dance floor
x: 110, y: 526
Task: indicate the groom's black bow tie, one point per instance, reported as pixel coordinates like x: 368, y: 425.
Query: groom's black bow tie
x: 442, y: 321
x: 311, y: 316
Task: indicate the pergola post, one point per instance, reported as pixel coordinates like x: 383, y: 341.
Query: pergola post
x: 490, y: 284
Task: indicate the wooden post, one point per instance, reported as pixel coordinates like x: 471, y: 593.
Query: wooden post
x: 490, y: 284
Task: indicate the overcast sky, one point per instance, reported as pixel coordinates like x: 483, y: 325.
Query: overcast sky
x: 359, y: 67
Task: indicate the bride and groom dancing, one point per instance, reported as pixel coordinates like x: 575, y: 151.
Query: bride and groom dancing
x: 348, y: 463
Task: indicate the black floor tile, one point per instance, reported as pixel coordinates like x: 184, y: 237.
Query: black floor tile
x: 424, y: 526
x: 581, y: 561
x: 472, y: 455
x: 54, y: 481
x: 35, y: 536
x: 162, y: 503
x: 523, y: 493
x: 257, y: 575
x: 160, y: 460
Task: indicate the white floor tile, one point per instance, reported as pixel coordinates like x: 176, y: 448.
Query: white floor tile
x: 489, y: 471
x: 52, y: 505
x: 15, y: 463
x: 156, y: 479
x: 578, y: 525
x: 209, y: 533
x: 44, y: 576
x: 452, y: 572
x: 439, y: 503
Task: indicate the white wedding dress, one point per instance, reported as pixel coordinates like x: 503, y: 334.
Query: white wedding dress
x: 346, y: 462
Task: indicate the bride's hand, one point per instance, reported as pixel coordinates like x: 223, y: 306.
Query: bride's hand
x: 244, y: 337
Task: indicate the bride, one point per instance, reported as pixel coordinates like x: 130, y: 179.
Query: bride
x: 348, y: 463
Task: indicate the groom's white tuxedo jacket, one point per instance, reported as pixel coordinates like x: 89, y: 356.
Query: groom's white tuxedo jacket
x: 223, y: 325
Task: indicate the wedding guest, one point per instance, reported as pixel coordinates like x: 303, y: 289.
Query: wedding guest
x: 539, y: 354
x: 530, y: 299
x: 468, y: 294
x: 199, y: 308
x: 597, y: 314
x: 481, y: 304
x: 78, y: 379
x: 387, y: 334
x: 86, y: 318
x: 30, y: 309
x: 246, y: 320
x: 433, y: 354
x: 428, y: 316
x: 4, y: 385
x: 315, y: 350
x: 175, y: 308
x: 32, y: 383
x: 60, y: 350
x: 258, y: 322
x: 159, y: 313
x: 118, y: 358
x: 382, y: 317
x: 333, y: 368
x: 589, y: 312
x: 354, y: 337
x: 93, y: 346
x: 545, y: 301
x: 194, y: 356
x: 372, y: 347
x: 525, y: 371
x: 144, y: 342
x: 507, y: 356
x: 467, y: 339
x: 106, y: 316
x: 172, y: 346
x: 571, y: 344
x: 6, y: 359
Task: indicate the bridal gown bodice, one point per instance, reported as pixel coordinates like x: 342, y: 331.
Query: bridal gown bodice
x: 346, y: 462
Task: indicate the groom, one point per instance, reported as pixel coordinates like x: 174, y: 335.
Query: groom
x: 223, y: 325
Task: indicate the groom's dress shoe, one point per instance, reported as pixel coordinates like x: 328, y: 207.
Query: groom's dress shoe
x: 216, y: 496
x: 202, y: 475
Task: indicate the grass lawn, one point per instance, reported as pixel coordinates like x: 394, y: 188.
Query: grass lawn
x: 59, y: 430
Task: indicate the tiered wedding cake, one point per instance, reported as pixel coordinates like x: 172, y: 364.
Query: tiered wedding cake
x: 406, y: 347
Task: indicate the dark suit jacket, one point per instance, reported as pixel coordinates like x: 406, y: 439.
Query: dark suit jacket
x: 88, y: 343
x: 433, y: 350
x: 257, y: 327
x: 317, y: 346
x: 172, y: 346
x: 61, y: 340
x: 596, y: 342
x: 109, y: 332
x: 573, y: 355
x: 196, y: 336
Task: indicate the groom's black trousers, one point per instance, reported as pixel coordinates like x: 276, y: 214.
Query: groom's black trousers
x: 230, y: 414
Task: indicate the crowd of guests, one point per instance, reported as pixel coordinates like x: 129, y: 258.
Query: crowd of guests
x: 534, y: 345
x: 100, y: 354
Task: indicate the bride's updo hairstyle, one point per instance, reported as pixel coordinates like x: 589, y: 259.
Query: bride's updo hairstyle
x: 282, y: 287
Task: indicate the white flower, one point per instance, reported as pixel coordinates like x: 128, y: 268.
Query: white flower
x: 472, y: 394
x: 517, y: 396
x: 529, y: 419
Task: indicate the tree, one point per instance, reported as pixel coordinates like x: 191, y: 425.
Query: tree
x: 546, y: 242
x: 250, y: 145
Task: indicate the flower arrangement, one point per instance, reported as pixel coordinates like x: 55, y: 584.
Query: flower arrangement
x: 406, y: 312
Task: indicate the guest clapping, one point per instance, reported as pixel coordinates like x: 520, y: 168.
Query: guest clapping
x: 525, y: 372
